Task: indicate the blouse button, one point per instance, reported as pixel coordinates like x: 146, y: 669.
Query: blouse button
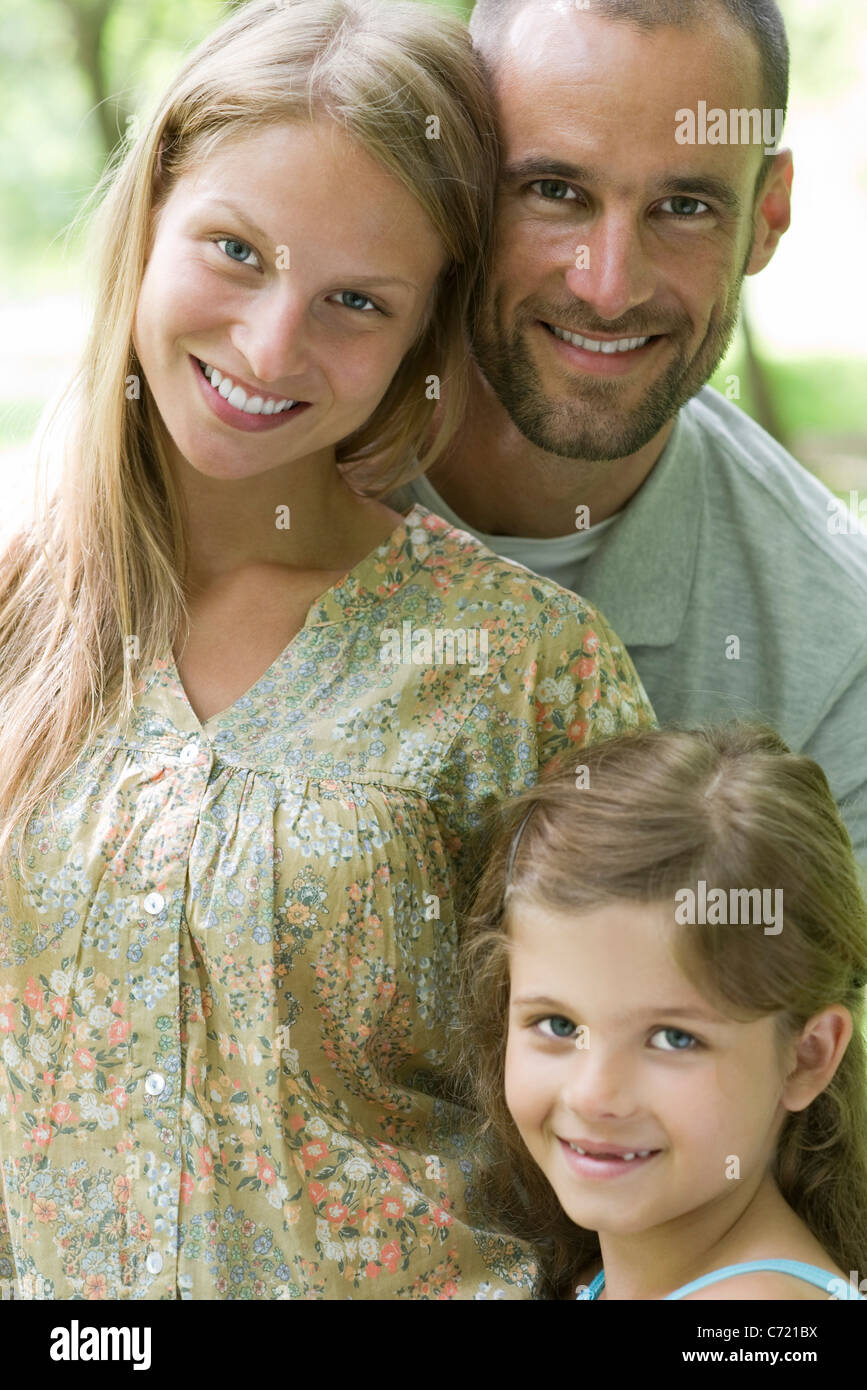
x: 154, y: 903
x: 154, y: 1262
x: 155, y: 1083
x: 189, y: 753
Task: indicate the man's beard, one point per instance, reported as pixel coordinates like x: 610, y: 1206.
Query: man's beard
x: 591, y: 422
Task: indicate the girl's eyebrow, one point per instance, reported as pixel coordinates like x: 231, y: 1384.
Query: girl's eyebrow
x: 543, y: 1001
x: 263, y: 237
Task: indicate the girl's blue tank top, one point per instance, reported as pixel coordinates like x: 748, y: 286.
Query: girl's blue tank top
x: 836, y: 1287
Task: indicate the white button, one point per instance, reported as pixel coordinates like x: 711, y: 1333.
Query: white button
x: 190, y: 753
x: 154, y: 1262
x: 153, y: 903
x: 155, y: 1083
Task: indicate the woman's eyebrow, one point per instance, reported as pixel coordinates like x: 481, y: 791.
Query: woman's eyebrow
x: 242, y: 217
x: 261, y: 236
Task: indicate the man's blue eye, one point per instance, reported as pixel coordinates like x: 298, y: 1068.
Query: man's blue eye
x: 553, y: 189
x: 685, y: 207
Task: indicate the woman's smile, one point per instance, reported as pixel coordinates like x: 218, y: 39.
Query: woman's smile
x: 230, y: 403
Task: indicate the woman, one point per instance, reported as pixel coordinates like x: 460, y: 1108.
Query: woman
x: 251, y: 717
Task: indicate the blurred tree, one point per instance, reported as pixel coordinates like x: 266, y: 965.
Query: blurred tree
x: 90, y: 20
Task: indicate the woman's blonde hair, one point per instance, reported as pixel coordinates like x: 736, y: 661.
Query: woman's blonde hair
x: 94, y: 584
x: 649, y: 815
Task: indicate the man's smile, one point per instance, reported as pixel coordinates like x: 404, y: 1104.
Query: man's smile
x: 601, y: 356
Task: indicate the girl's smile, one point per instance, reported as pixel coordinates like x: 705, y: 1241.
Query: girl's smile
x: 605, y: 1162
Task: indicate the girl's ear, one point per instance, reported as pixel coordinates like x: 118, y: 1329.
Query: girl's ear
x: 818, y: 1053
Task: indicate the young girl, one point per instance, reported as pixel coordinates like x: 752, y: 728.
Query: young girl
x: 250, y: 718
x: 664, y: 1013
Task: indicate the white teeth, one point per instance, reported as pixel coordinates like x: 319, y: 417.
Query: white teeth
x: 639, y: 1153
x: 237, y: 396
x: 596, y: 345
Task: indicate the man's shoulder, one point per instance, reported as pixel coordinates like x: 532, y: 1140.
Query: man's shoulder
x: 773, y: 501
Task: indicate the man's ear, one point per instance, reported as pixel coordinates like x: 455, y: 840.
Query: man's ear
x: 773, y: 211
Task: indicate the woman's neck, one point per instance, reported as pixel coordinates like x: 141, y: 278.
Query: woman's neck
x: 304, y: 517
x: 751, y: 1222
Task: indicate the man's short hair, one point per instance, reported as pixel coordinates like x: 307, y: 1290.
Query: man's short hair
x: 761, y: 19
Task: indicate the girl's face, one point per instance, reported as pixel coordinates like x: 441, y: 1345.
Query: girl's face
x: 611, y: 1049
x: 301, y: 271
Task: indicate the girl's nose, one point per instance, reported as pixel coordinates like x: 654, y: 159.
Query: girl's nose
x: 600, y: 1083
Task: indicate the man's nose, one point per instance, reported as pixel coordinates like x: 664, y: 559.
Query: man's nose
x: 612, y: 270
x: 273, y: 334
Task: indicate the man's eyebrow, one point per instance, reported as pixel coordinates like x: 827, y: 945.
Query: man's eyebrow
x: 704, y: 185
x: 655, y: 1011
x: 540, y: 167
x: 263, y: 238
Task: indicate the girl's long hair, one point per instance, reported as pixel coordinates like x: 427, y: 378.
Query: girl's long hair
x: 648, y: 815
x: 93, y: 586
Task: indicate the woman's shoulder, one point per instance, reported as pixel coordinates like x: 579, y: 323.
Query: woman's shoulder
x: 474, y: 566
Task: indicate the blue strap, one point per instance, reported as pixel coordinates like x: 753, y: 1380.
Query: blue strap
x: 835, y: 1286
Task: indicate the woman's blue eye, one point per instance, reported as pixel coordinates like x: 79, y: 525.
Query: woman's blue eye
x: 236, y: 250
x: 679, y: 1036
x: 553, y: 189
x: 557, y: 1021
x: 360, y: 299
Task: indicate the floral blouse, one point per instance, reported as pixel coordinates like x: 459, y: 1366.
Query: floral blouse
x: 227, y: 974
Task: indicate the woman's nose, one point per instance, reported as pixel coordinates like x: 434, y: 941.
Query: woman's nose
x: 273, y: 334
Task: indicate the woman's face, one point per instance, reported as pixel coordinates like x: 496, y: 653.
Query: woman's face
x: 609, y: 1043
x: 301, y: 271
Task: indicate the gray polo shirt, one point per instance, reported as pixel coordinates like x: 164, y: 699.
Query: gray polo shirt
x: 728, y: 577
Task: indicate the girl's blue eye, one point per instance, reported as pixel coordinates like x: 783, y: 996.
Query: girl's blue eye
x: 236, y: 250
x: 678, y: 1044
x: 350, y: 294
x: 556, y: 1020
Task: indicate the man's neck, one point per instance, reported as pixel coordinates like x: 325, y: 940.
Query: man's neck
x: 499, y: 483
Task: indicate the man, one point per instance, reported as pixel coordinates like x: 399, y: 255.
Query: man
x: 593, y: 452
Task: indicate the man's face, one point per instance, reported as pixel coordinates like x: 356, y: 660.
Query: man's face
x: 609, y: 229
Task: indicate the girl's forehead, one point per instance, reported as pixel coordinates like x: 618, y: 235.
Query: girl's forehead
x: 623, y: 947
